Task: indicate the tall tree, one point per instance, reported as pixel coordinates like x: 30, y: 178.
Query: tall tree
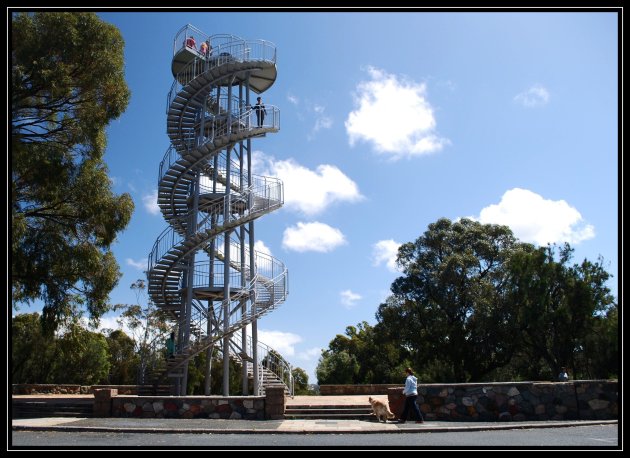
x: 123, y: 359
x: 560, y: 308
x: 448, y: 309
x: 83, y: 356
x: 67, y: 85
x: 336, y: 368
x: 378, y: 359
x: 300, y: 381
x: 149, y: 328
x: 33, y: 354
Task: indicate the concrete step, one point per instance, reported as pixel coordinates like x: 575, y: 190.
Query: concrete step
x: 331, y: 412
x: 329, y: 416
x: 39, y: 409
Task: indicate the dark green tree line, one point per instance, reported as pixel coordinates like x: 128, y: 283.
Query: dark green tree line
x: 74, y: 355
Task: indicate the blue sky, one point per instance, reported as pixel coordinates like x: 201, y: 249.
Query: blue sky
x: 390, y: 121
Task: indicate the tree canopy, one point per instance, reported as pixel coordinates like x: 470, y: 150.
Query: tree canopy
x: 74, y: 355
x: 67, y: 85
x: 475, y: 304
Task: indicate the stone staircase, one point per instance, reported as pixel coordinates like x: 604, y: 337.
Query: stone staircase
x: 51, y: 407
x: 329, y: 412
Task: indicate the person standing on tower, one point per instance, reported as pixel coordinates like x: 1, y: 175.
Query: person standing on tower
x: 260, y: 110
x: 190, y: 42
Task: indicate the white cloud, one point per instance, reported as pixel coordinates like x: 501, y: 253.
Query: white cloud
x: 535, y: 96
x: 385, y: 251
x: 150, y: 202
x: 321, y: 121
x: 111, y: 322
x: 293, y: 99
x: 394, y: 115
x: 537, y: 220
x: 313, y: 236
x: 349, y: 299
x: 260, y: 246
x: 282, y: 342
x: 312, y: 354
x: 307, y: 191
x: 140, y: 265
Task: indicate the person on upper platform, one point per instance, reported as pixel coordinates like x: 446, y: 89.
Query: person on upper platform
x: 190, y: 43
x: 205, y: 49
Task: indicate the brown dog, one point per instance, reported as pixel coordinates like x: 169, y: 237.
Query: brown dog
x: 381, y: 410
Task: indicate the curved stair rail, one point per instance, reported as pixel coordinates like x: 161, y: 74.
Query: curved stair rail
x: 203, y: 268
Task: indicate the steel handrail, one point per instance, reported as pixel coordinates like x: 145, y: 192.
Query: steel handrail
x: 242, y: 51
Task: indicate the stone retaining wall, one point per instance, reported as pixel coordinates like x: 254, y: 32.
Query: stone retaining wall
x: 513, y: 401
x: 108, y: 403
x: 233, y: 408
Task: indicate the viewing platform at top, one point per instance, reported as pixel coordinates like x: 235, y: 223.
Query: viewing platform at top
x: 195, y: 52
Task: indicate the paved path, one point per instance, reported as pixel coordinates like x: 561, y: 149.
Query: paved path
x: 208, y: 426
x: 334, y: 400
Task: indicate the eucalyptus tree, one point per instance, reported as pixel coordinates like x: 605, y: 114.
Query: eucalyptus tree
x: 67, y: 85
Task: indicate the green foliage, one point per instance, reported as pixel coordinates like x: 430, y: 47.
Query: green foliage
x: 600, y: 356
x: 75, y: 356
x: 300, y: 382
x: 336, y: 368
x: 33, y: 353
x: 474, y: 304
x: 449, y: 307
x: 379, y: 360
x: 83, y: 357
x: 67, y: 84
x: 123, y: 359
x: 197, y: 370
x: 561, y: 309
x: 149, y: 329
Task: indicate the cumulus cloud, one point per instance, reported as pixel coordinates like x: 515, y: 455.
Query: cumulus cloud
x: 385, y: 251
x: 308, y: 191
x: 140, y: 265
x: 349, y: 299
x: 150, y: 202
x: 313, y: 236
x: 312, y: 354
x: 535, y: 219
x: 282, y: 342
x: 394, y: 115
x: 535, y: 96
x: 260, y: 246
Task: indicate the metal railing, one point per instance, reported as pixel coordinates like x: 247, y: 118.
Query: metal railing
x: 203, y: 126
x: 215, y: 128
x: 239, y: 50
x: 263, y: 196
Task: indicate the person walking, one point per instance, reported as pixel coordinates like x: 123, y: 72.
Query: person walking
x: 411, y: 394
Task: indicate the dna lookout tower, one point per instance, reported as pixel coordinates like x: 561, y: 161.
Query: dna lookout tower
x: 203, y: 269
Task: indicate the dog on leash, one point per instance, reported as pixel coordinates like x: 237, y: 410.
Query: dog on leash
x: 381, y: 410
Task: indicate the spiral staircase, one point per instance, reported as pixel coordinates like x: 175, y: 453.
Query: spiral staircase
x: 203, y: 268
